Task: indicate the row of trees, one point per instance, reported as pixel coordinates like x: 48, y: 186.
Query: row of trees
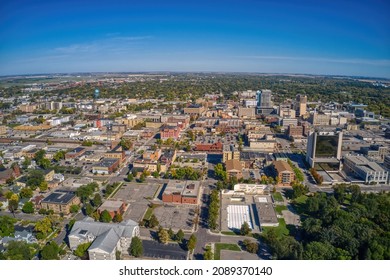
x: 319, y: 179
x: 213, y: 210
x: 185, y: 173
x: 298, y: 172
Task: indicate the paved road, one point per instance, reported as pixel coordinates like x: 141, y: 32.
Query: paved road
x: 22, y: 216
x: 202, y: 234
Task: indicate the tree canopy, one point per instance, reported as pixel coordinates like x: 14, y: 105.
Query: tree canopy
x: 346, y: 224
x: 136, y: 248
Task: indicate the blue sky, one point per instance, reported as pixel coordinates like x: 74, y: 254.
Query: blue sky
x: 314, y: 37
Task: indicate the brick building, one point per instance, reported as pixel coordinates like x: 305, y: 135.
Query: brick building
x: 181, y: 192
x: 215, y: 147
x: 169, y: 132
x: 77, y: 152
x: 113, y: 207
x: 284, y: 172
x: 60, y: 201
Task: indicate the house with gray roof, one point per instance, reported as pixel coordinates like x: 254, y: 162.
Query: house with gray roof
x: 106, y: 238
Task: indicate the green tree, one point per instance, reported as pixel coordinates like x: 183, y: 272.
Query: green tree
x: 20, y: 250
x: 39, y: 156
x: 28, y: 207
x: 70, y: 225
x: 136, y: 248
x: 299, y: 189
x: 81, y: 250
x: 7, y: 226
x: 26, y: 193
x: 126, y: 144
x: 43, y: 186
x: 191, y: 243
x: 58, y: 156
x: 45, y: 163
x: 44, y: 226
x: 13, y: 203
x: 117, y: 218
x: 74, y: 208
x: 319, y: 251
x: 163, y: 236
x: 85, y: 191
x: 105, y: 217
x: 220, y: 172
x: 245, y: 229
x: 179, y: 235
x: 142, y: 178
x: 50, y: 251
x: 34, y: 179
x: 153, y: 222
x: 97, y: 200
x: 213, y: 209
x: 130, y: 177
x: 87, y: 143
x: 89, y: 209
x: 171, y: 234
x: 220, y: 185
x: 208, y: 254
x: 26, y: 163
x: 251, y: 247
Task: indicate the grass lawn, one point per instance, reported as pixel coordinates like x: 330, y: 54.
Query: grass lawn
x: 280, y: 208
x: 148, y: 213
x: 235, y: 233
x: 278, y: 196
x: 224, y: 246
x: 115, y: 190
x: 229, y: 233
x: 281, y: 229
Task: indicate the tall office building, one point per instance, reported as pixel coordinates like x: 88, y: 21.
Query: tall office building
x: 264, y: 102
x: 324, y: 147
x: 300, y: 105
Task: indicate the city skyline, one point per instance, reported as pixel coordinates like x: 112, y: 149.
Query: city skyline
x: 310, y: 37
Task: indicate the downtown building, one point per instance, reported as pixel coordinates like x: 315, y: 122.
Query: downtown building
x: 324, y: 148
x: 264, y: 102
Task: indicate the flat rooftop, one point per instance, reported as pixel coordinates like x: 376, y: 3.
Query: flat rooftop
x: 111, y: 205
x: 365, y: 164
x: 237, y: 215
x: 107, y: 162
x: 265, y: 210
x: 185, y: 188
x: 59, y: 197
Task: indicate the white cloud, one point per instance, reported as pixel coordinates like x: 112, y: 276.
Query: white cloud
x: 117, y: 43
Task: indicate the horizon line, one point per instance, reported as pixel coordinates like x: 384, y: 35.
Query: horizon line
x: 183, y: 72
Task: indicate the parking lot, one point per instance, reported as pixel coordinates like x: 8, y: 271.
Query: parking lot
x: 137, y: 196
x: 176, y: 216
x: 171, y: 251
x: 228, y: 138
x: 254, y: 174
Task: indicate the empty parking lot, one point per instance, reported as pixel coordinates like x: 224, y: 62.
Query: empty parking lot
x: 137, y: 196
x: 176, y: 216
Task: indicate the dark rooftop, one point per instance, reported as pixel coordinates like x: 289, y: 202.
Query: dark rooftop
x: 107, y: 162
x: 77, y: 150
x: 59, y: 197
